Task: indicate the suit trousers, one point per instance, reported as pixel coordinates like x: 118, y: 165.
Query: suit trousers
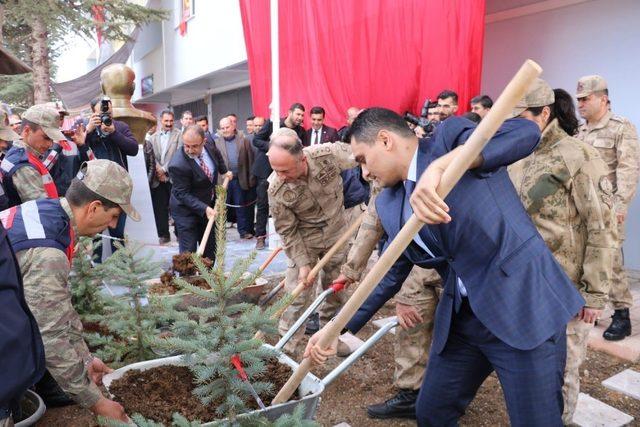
x: 243, y: 215
x: 189, y: 230
x: 117, y: 232
x: 160, y: 200
x: 262, y: 205
x: 531, y: 379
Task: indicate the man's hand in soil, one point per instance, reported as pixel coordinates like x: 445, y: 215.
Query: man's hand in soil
x: 589, y: 315
x: 110, y: 409
x: 408, y: 316
x: 97, y: 369
x: 303, y: 272
x: 319, y: 355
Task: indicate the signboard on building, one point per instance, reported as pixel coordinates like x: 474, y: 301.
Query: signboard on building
x: 146, y: 85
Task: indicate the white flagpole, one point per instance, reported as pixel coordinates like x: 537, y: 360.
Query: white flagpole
x: 275, y: 67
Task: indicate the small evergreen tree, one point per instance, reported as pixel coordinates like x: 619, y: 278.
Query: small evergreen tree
x: 131, y: 321
x: 210, y: 336
x: 295, y: 419
x: 85, y: 281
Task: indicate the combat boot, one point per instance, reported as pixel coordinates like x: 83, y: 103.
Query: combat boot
x: 620, y: 326
x: 402, y: 405
x: 313, y: 324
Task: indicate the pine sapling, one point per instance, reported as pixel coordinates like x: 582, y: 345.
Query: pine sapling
x: 132, y: 322
x: 210, y: 334
x: 85, y: 281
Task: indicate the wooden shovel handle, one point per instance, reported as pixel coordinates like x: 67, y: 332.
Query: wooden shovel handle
x: 267, y: 261
x: 212, y: 220
x: 514, y: 91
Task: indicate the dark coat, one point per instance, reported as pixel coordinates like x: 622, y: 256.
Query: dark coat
x: 261, y: 167
x: 514, y: 284
x: 115, y: 146
x: 191, y: 192
x: 328, y: 134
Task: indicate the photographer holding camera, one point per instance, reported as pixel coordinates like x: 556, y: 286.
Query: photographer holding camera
x: 108, y: 139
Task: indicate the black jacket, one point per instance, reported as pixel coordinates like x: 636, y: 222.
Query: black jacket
x: 191, y: 192
x: 115, y: 146
x: 261, y: 167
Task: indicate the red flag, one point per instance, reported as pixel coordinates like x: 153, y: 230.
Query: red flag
x: 98, y: 16
x: 389, y: 53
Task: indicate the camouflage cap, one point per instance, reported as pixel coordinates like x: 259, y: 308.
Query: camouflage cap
x: 6, y: 133
x: 538, y: 95
x: 589, y: 84
x: 58, y: 107
x: 111, y: 181
x: 47, y: 118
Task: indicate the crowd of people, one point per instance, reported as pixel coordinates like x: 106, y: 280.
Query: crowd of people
x: 511, y: 271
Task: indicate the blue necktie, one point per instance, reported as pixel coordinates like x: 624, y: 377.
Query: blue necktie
x: 407, y: 211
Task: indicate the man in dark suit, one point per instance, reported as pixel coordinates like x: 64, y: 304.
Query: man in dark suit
x: 112, y: 142
x: 319, y: 133
x: 506, y: 301
x: 194, y: 173
x: 164, y: 144
x: 261, y: 168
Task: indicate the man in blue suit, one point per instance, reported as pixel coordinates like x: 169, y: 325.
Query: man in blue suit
x: 506, y: 301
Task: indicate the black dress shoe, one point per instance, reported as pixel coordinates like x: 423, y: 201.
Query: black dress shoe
x: 313, y: 324
x: 620, y: 326
x: 402, y: 405
x: 51, y: 393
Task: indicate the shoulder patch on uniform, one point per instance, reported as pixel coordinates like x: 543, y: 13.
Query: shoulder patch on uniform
x: 274, y: 183
x: 605, y: 185
x: 319, y: 150
x: 289, y: 196
x: 617, y: 118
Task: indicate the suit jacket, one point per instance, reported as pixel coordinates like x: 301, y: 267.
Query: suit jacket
x: 245, y: 159
x: 261, y: 167
x: 328, y: 134
x: 514, y: 284
x: 192, y: 191
x: 169, y: 151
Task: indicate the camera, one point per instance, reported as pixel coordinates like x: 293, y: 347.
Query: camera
x: 105, y: 116
x: 429, y: 126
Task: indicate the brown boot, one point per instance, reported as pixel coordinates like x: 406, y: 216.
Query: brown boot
x: 260, y: 243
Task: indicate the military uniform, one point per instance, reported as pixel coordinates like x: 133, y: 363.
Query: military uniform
x: 24, y: 175
x: 411, y: 348
x: 309, y: 217
x: 43, y: 234
x: 616, y: 140
x: 564, y: 187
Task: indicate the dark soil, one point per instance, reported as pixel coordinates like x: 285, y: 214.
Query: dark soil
x: 183, y: 264
x: 28, y: 408
x: 159, y: 392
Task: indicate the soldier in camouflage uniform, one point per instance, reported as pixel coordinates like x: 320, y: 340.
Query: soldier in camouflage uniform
x: 306, y: 203
x: 616, y: 140
x: 564, y: 187
x: 43, y: 234
x: 415, y: 307
x: 24, y: 174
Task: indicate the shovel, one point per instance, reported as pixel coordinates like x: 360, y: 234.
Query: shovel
x: 502, y: 108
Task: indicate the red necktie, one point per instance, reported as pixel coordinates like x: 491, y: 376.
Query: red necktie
x: 204, y: 167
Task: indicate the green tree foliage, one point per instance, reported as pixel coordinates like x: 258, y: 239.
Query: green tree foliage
x: 35, y: 30
x: 132, y: 323
x: 222, y: 327
x: 85, y: 281
x: 295, y: 419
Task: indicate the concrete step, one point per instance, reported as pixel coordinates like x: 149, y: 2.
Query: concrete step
x: 381, y: 322
x: 591, y: 412
x: 352, y: 341
x: 626, y: 382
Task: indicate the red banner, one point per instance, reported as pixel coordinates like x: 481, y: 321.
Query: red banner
x: 343, y: 53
